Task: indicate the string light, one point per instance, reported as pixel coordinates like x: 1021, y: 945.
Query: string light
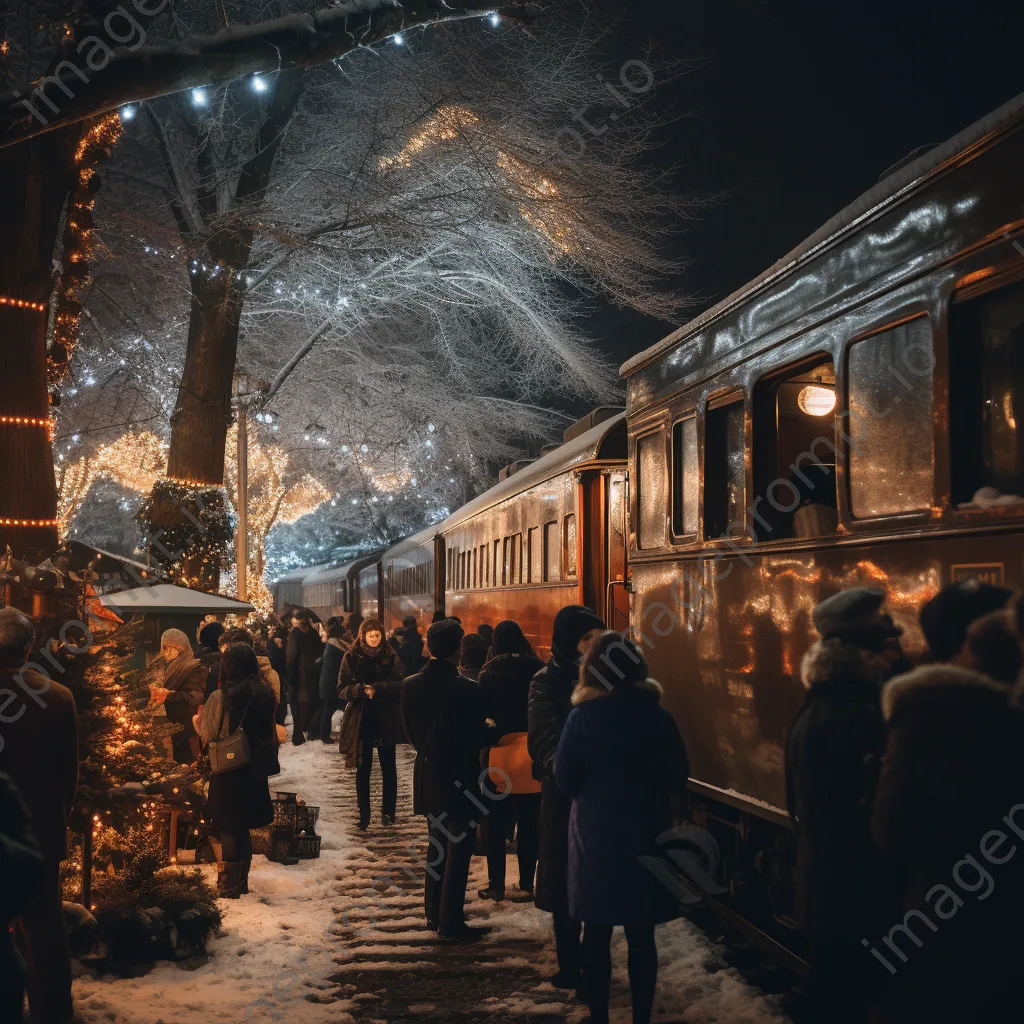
x: 27, y: 421
x: 7, y: 300
x: 28, y: 522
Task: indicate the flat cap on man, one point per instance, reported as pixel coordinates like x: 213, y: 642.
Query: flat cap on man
x: 852, y: 611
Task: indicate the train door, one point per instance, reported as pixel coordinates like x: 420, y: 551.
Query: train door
x: 616, y: 611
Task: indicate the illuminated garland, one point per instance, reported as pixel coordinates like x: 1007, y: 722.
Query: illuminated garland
x: 38, y: 307
x: 93, y: 147
x: 28, y: 522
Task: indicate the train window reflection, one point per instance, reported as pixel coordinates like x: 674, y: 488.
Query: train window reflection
x: 685, y: 495
x: 986, y: 397
x: 534, y: 556
x: 723, y: 469
x: 552, y: 554
x: 570, y: 546
x: 651, y: 490
x: 890, y: 421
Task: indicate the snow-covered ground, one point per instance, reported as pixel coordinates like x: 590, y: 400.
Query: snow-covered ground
x: 281, y: 945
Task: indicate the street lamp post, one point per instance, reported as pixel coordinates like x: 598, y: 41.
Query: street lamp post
x: 245, y: 391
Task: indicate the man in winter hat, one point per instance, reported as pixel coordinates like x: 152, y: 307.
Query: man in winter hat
x: 832, y: 755
x: 549, y: 704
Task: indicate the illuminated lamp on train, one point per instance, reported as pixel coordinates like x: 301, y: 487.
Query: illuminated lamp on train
x: 816, y: 400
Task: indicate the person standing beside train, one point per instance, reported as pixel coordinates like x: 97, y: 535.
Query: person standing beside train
x: 304, y: 651
x: 368, y: 683
x: 550, y: 701
x: 505, y: 687
x: 330, y: 668
x: 622, y: 762
x: 832, y: 759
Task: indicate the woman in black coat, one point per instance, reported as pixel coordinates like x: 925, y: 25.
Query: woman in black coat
x: 549, y: 706
x: 330, y: 667
x: 505, y: 687
x: 239, y: 800
x: 621, y: 760
x: 369, y: 683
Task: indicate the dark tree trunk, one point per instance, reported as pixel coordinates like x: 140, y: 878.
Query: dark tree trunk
x: 35, y: 179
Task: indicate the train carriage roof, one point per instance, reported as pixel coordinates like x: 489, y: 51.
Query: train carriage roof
x: 889, y: 189
x: 600, y: 442
x: 330, y: 572
x: 298, y: 575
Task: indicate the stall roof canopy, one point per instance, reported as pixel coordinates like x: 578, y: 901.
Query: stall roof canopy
x: 167, y: 598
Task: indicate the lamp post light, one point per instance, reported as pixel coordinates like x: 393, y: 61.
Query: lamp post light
x: 246, y: 390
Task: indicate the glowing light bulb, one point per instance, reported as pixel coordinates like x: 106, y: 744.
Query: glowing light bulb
x: 127, y: 113
x: 495, y: 19
x: 259, y: 83
x: 816, y: 400
x: 399, y: 39
x: 199, y: 100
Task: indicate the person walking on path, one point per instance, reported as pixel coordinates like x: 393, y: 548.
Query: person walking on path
x: 832, y: 758
x: 239, y: 798
x: 368, y: 683
x: 408, y: 642
x: 622, y: 762
x: 330, y: 667
x: 445, y: 722
x: 40, y: 754
x: 550, y: 702
x: 305, y: 649
x: 505, y: 686
x: 952, y: 781
x: 277, y: 653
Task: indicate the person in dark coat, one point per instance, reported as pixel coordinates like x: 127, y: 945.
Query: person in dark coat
x: 949, y: 810
x: 304, y: 651
x: 622, y: 761
x: 355, y: 620
x: 277, y: 653
x: 408, y: 643
x: 238, y: 800
x: 549, y: 704
x: 505, y: 686
x: 832, y: 758
x: 444, y: 719
x: 40, y: 754
x: 486, y: 631
x: 208, y: 653
x: 330, y: 667
x: 22, y: 871
x: 179, y: 683
x: 368, y: 684
x: 472, y: 655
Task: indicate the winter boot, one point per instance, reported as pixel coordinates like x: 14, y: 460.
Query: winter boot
x: 230, y: 879
x: 246, y: 865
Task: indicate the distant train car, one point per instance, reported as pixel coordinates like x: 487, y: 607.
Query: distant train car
x: 370, y: 590
x: 549, y: 535
x: 288, y: 589
x: 334, y: 590
x: 853, y: 416
x: 410, y: 581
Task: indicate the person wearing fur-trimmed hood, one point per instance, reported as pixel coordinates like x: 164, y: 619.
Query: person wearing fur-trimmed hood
x: 622, y: 761
x: 951, y: 792
x: 832, y: 755
x: 368, y: 683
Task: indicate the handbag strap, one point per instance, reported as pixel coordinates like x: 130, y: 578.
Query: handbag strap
x: 224, y: 711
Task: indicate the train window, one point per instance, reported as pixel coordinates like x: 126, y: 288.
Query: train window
x: 650, y: 490
x: 517, y: 558
x: 474, y: 568
x: 506, y: 561
x: 496, y: 563
x: 552, y: 554
x: 795, y: 452
x: 534, y: 555
x: 986, y: 396
x: 724, y: 472
x: 685, y: 478
x: 890, y: 421
x: 569, y: 545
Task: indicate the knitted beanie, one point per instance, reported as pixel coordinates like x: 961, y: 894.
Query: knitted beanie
x: 175, y: 638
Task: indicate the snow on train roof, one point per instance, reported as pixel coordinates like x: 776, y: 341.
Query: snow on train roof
x: 298, y: 575
x: 579, y: 450
x: 326, y: 573
x: 888, y: 189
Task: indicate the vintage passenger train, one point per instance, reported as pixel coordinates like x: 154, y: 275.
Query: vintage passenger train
x: 849, y: 417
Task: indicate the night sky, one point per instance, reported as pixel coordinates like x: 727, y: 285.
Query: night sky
x: 799, y: 108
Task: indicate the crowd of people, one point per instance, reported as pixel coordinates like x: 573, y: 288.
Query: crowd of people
x: 904, y: 785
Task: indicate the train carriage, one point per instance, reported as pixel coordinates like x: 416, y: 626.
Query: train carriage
x: 850, y: 417
x: 334, y: 589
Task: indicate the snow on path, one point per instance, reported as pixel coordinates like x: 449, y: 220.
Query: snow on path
x: 289, y: 949
x: 275, y: 947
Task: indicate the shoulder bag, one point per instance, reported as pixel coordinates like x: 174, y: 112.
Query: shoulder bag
x: 233, y: 752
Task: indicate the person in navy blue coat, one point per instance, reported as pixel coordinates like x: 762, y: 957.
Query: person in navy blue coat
x: 622, y: 760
